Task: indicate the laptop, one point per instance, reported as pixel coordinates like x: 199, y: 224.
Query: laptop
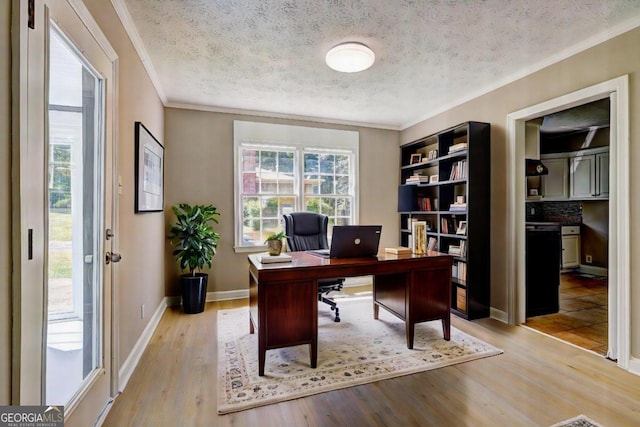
x: 352, y: 241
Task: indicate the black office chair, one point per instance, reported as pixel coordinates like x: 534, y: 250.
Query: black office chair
x: 308, y: 231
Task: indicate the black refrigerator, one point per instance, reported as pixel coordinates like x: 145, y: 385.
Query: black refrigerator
x: 543, y: 260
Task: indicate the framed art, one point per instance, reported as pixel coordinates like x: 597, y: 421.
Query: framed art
x: 419, y: 234
x: 415, y: 159
x: 149, y: 177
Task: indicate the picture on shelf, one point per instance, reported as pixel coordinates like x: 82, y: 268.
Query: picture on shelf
x: 462, y: 228
x: 415, y: 159
x: 419, y: 234
x: 433, y: 178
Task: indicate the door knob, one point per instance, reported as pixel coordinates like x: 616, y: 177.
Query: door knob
x: 113, y: 257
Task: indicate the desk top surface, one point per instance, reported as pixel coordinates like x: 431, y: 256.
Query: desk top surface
x: 305, y: 259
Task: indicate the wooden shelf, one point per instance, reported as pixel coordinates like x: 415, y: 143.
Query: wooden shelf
x: 472, y: 166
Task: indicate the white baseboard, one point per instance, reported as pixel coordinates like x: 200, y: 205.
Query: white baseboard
x: 244, y: 293
x: 130, y: 364
x: 500, y: 315
x: 634, y: 365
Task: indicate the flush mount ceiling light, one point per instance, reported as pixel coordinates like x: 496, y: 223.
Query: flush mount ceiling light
x: 350, y: 57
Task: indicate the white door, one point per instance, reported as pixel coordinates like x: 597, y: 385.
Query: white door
x: 66, y: 207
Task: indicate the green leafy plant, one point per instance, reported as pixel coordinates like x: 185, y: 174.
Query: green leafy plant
x: 276, y: 236
x: 193, y: 236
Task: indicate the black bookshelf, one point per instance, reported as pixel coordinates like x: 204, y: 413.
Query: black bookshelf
x: 451, y: 186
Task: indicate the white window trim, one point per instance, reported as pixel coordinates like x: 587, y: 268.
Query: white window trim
x: 287, y: 136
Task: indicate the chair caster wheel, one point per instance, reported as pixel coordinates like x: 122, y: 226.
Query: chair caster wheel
x: 332, y: 308
x: 337, y: 319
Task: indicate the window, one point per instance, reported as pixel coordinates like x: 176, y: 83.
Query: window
x: 282, y: 169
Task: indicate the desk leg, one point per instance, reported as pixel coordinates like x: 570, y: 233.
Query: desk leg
x: 313, y: 348
x: 446, y: 326
x: 410, y: 327
x: 262, y: 353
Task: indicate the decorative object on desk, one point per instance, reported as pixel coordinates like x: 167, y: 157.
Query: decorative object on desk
x: 149, y: 165
x: 579, y: 421
x: 268, y: 258
x: 398, y: 250
x: 356, y: 351
x: 274, y: 243
x: 415, y: 159
x: 195, y: 244
x: 462, y: 228
x: 419, y: 233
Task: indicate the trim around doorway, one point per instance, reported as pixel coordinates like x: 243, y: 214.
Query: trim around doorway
x: 619, y: 211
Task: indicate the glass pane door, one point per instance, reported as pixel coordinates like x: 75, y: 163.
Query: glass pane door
x: 73, y: 270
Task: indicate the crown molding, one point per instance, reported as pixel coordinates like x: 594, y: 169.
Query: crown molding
x: 588, y: 43
x: 138, y: 45
x: 238, y: 111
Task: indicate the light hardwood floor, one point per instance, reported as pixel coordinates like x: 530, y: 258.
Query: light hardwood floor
x: 538, y: 381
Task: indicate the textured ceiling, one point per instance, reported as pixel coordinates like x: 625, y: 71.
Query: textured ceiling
x: 268, y: 56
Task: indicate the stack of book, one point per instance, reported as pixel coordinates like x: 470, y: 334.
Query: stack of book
x: 398, y: 250
x: 458, y: 207
x: 417, y: 179
x: 457, y: 147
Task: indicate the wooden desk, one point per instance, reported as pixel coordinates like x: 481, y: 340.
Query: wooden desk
x: 283, y: 297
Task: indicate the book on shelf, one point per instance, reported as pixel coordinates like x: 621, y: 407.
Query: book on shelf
x: 458, y: 207
x: 432, y: 245
x: 457, y: 147
x: 424, y: 204
x: 398, y: 250
x: 270, y: 259
x: 417, y: 179
x: 458, y: 171
x: 459, y: 270
x: 454, y: 250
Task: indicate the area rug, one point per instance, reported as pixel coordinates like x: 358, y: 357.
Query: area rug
x: 355, y: 351
x: 579, y: 421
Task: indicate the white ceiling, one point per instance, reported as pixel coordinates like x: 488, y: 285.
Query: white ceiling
x: 268, y: 56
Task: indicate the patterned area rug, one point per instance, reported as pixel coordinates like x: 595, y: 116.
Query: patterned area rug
x: 579, y: 421
x: 356, y: 351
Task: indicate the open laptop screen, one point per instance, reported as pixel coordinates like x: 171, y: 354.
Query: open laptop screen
x: 353, y: 241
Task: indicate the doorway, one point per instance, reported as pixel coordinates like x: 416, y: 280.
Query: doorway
x: 618, y: 257
x: 63, y: 329
x: 571, y: 194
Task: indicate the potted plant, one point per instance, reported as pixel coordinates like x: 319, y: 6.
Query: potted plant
x: 274, y: 243
x: 195, y: 245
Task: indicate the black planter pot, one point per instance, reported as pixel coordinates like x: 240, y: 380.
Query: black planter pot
x: 194, y: 292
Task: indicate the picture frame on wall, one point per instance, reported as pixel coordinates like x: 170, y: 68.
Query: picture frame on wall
x: 149, y: 173
x: 419, y: 234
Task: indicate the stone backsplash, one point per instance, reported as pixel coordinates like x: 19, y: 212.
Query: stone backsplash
x: 565, y: 212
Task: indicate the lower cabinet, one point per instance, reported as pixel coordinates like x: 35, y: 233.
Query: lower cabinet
x: 570, y: 247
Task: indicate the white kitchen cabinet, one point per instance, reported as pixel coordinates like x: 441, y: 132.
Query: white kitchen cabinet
x: 570, y: 247
x: 589, y: 175
x: 555, y: 185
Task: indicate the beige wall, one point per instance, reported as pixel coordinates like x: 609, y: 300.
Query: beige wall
x: 594, y: 235
x: 199, y: 169
x: 5, y: 203
x: 608, y: 60
x: 140, y: 274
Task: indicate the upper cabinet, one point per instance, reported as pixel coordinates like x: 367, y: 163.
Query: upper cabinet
x: 555, y: 185
x: 589, y: 174
x: 579, y: 175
